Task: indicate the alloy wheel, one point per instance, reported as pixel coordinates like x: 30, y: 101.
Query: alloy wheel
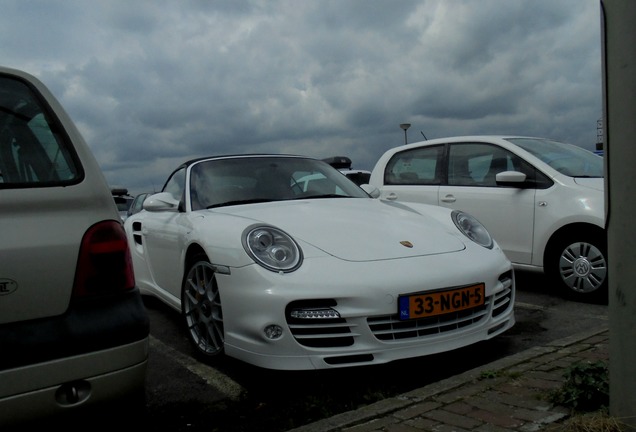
x: 202, y: 309
x: 583, y: 267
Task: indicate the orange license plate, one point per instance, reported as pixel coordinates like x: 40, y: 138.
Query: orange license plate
x: 441, y: 302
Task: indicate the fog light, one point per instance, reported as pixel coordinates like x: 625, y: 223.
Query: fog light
x: 326, y: 313
x: 273, y: 331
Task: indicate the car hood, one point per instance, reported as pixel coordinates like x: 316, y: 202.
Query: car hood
x: 592, y: 183
x: 356, y: 229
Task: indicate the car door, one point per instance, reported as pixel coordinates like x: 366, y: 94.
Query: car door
x: 507, y: 211
x: 163, y: 233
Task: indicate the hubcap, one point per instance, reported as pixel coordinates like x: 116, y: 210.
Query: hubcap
x: 202, y: 309
x: 582, y: 267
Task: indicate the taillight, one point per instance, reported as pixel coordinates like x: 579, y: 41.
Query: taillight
x: 104, y: 264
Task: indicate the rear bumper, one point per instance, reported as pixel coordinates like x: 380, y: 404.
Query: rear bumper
x: 47, y: 391
x: 97, y: 352
x: 89, y: 325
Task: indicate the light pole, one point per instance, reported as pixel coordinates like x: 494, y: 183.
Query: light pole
x: 404, y: 127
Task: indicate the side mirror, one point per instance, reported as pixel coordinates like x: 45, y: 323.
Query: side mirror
x: 510, y: 178
x: 373, y: 191
x: 163, y: 201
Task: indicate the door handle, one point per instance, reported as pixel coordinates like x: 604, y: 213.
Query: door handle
x: 391, y: 196
x: 448, y: 199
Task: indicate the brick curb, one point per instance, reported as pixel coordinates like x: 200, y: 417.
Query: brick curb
x: 406, y: 406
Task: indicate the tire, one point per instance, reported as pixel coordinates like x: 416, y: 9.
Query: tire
x: 201, y: 309
x: 579, y: 265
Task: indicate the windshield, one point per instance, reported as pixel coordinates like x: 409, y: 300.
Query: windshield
x: 243, y: 180
x: 568, y: 159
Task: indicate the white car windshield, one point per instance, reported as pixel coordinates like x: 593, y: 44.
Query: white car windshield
x: 568, y: 159
x: 243, y: 180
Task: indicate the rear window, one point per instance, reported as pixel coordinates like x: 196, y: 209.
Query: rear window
x: 33, y: 151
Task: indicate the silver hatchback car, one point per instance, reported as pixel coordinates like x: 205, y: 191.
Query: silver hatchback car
x: 73, y: 328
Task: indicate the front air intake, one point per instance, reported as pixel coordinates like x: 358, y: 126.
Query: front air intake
x: 314, y: 323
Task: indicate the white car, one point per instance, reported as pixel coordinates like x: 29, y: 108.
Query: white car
x: 358, y: 176
x: 73, y: 328
x: 343, y: 164
x: 542, y: 201
x: 284, y: 263
x: 123, y: 201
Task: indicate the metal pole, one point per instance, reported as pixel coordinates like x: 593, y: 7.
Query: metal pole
x: 405, y: 126
x: 619, y: 59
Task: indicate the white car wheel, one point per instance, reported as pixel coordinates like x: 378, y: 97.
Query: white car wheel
x: 201, y: 306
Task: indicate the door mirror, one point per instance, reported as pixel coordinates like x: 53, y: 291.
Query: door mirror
x: 163, y: 201
x: 510, y: 178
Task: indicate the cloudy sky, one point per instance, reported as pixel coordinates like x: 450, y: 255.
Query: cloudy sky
x: 154, y: 83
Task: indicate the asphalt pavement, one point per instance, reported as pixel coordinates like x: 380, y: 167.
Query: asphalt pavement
x: 509, y: 394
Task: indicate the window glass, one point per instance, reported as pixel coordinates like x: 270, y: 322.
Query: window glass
x: 568, y: 159
x: 176, y: 184
x: 315, y: 183
x: 31, y: 152
x: 477, y: 164
x: 418, y: 166
x: 489, y: 161
x: 138, y: 203
x: 123, y: 203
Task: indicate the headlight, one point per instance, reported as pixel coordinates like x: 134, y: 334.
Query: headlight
x: 272, y: 248
x: 472, y: 229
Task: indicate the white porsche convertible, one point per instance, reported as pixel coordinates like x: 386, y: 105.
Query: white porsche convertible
x: 284, y: 263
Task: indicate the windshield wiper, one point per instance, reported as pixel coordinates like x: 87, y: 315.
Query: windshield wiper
x: 324, y: 196
x: 239, y: 202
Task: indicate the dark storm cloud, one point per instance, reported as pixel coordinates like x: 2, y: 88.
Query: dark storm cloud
x: 153, y: 83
